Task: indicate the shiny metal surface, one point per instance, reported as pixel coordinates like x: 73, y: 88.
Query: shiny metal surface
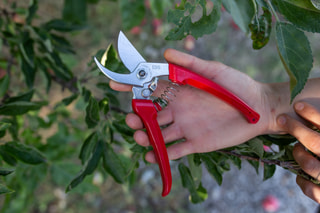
x: 130, y: 57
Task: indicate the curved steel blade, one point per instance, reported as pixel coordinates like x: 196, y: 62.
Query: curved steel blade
x: 130, y: 79
x: 129, y: 56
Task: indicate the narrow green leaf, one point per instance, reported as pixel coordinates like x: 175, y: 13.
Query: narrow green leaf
x: 92, y: 113
x: 242, y: 12
x: 62, y: 26
x: 113, y: 164
x: 5, y: 171
x: 4, y: 85
x: 5, y: 190
x: 22, y: 97
x: 70, y: 99
x: 182, y: 18
x: 89, y: 167
x: 195, y: 170
x: 268, y: 171
x: 132, y: 12
x: 33, y: 7
x: 300, y: 13
x: 197, y: 195
x: 212, y: 168
x: 87, y: 147
x: 296, y: 56
x: 24, y: 153
x: 20, y: 107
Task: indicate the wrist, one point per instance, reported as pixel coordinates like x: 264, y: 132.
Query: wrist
x: 275, y: 101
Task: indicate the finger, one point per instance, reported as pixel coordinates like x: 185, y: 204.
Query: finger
x: 175, y: 151
x: 164, y: 117
x: 310, y: 189
x: 308, y: 112
x: 193, y: 63
x: 309, y: 138
x: 308, y: 163
x: 120, y: 87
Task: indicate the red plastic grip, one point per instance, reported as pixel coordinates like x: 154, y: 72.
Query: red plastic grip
x: 182, y: 76
x: 147, y: 112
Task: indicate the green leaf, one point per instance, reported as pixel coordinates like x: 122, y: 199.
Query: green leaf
x: 5, y: 190
x: 261, y: 29
x: 197, y: 195
x: 70, y: 99
x: 268, y: 171
x: 92, y: 113
x: 33, y: 7
x: 4, y: 85
x: 62, y: 26
x: 256, y: 146
x: 87, y: 147
x: 212, y: 167
x: 24, y: 153
x: 242, y: 12
x: 296, y: 56
x: 9, y: 159
x: 158, y: 7
x: 182, y: 18
x: 300, y: 13
x: 114, y: 165
x: 90, y: 166
x: 27, y: 96
x: 132, y: 12
x: 75, y: 11
x: 4, y: 125
x: 5, y: 171
x: 104, y: 105
x: 195, y: 169
x: 20, y: 107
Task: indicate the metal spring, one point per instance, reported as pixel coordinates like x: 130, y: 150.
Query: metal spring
x: 168, y: 95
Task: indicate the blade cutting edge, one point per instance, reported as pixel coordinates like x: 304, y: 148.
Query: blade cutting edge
x: 129, y: 56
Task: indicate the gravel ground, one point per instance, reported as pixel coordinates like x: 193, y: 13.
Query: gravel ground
x: 243, y: 191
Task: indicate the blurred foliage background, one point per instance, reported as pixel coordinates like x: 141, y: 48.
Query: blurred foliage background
x: 58, y: 130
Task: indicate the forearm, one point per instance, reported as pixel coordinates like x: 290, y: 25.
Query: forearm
x: 277, y: 98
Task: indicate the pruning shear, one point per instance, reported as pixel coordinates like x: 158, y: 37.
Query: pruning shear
x: 144, y: 77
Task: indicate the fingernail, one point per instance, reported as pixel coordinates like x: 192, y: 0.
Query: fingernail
x: 299, y: 106
x: 281, y: 120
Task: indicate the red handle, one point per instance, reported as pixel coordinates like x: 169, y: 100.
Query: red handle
x: 147, y: 112
x: 181, y: 75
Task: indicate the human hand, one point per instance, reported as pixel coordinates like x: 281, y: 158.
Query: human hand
x: 309, y: 139
x: 205, y: 122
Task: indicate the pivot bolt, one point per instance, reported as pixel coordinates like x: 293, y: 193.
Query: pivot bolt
x: 142, y: 74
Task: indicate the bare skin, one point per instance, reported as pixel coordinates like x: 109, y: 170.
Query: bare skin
x: 309, y: 139
x: 207, y: 124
